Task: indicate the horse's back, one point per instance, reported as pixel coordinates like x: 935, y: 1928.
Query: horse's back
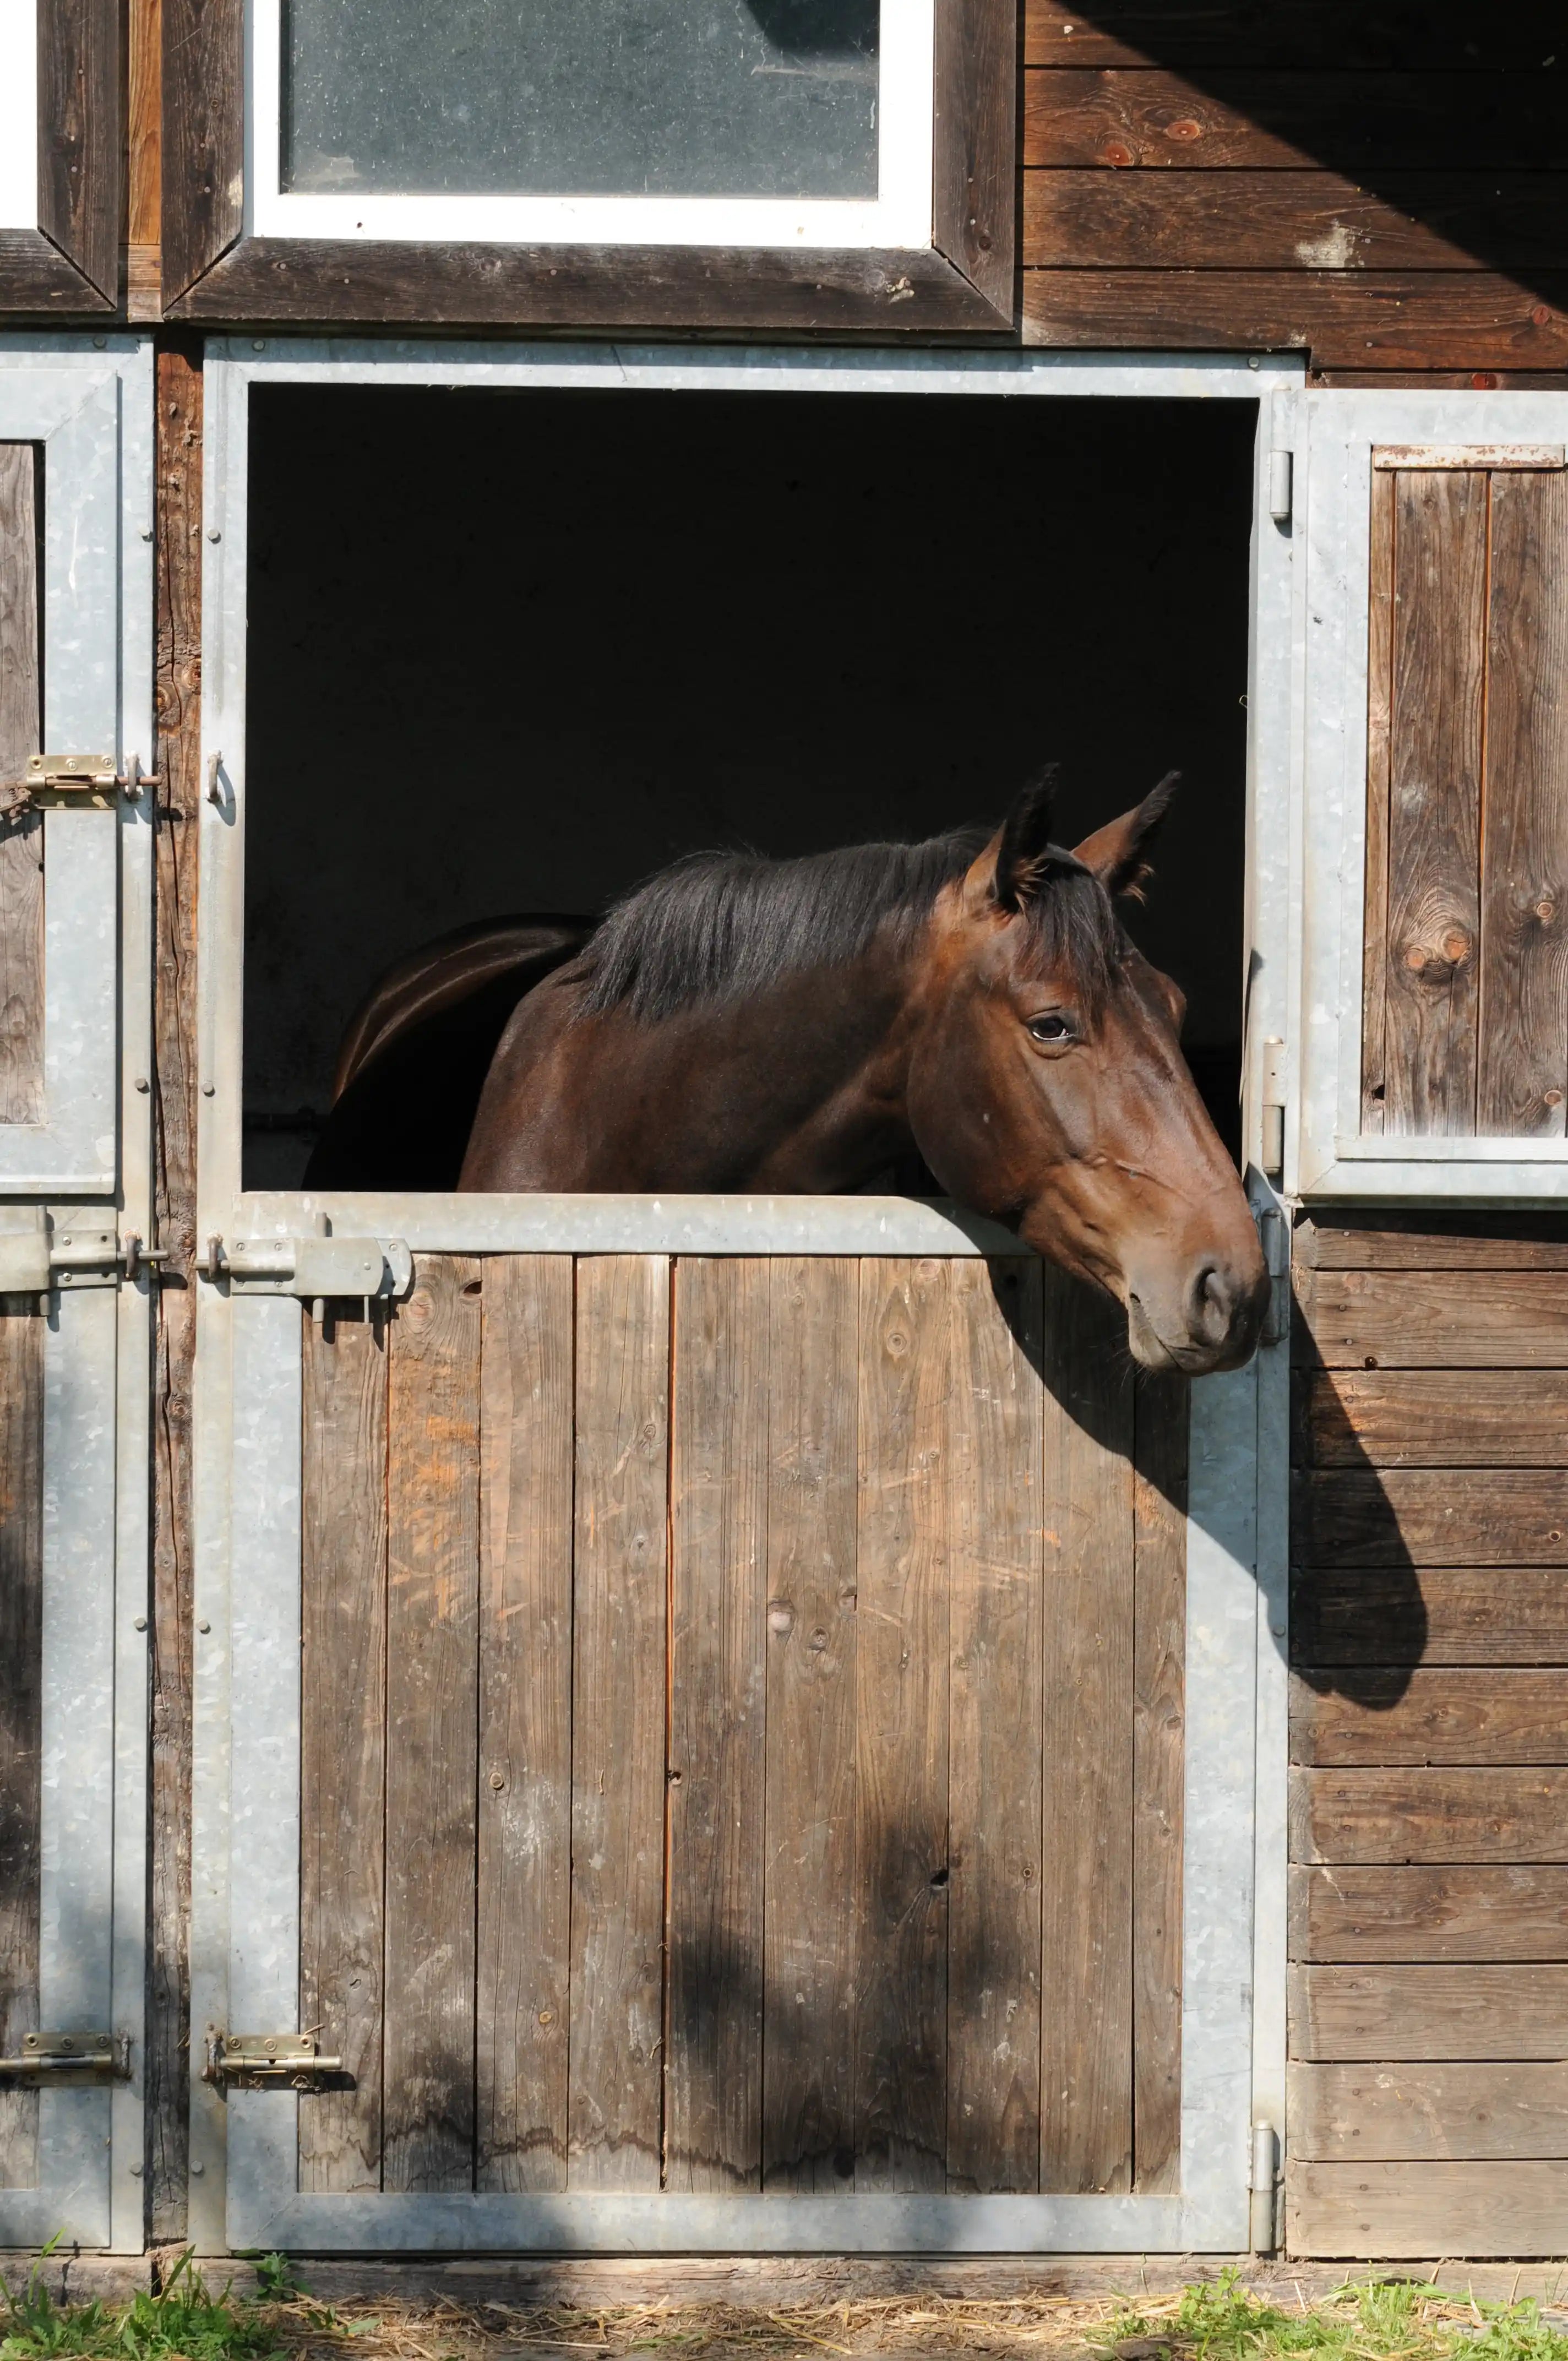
x: 415, y: 1053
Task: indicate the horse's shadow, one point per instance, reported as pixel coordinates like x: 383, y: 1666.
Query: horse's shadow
x: 1357, y: 1623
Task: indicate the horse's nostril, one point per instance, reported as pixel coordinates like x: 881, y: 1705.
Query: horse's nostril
x: 1214, y: 1299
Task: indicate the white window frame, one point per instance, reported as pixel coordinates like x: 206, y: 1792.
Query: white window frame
x: 1328, y: 1154
x: 244, y: 1944
x: 18, y: 115
x: 899, y: 216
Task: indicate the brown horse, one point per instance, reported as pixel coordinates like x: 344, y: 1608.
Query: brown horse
x: 739, y: 1024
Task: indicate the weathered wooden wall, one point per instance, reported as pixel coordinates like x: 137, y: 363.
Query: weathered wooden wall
x: 1429, y: 1880
x: 1382, y: 184
x: 742, y: 1731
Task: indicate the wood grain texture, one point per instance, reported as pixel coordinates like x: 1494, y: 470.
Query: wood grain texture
x: 1427, y: 1241
x: 1415, y: 2110
x: 21, y: 839
x: 1380, y: 597
x: 80, y: 136
x: 37, y: 279
x: 1522, y: 1083
x: 202, y: 163
x: 1474, y: 1715
x: 176, y: 613
x: 1293, y: 221
x: 811, y: 1884
x: 618, y: 1721
x: 1484, y: 1812
x: 1396, y: 2210
x: 1086, y: 1977
x: 1514, y: 1319
x: 1367, y: 2013
x: 719, y: 1460
x: 21, y: 1669
x: 144, y: 139
x: 1434, y: 801
x: 973, y: 192
x: 525, y: 1722
x: 343, y: 1742
x: 1434, y: 1418
x: 1159, y: 1652
x: 1350, y: 320
x: 1433, y: 1615
x: 1364, y: 35
x: 902, y: 1706
x: 996, y: 1511
x: 1392, y: 1515
x: 432, y: 1635
x: 896, y: 293
x: 1411, y: 121
x: 1421, y: 1912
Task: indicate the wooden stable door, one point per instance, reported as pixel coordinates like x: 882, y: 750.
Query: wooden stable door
x: 741, y: 1732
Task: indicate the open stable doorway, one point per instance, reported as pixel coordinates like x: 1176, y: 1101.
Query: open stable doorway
x: 512, y: 652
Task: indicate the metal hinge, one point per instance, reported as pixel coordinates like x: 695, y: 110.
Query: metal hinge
x: 319, y: 1270
x: 35, y: 1261
x: 55, y: 2056
x: 266, y: 2062
x: 1274, y: 1233
x: 79, y: 782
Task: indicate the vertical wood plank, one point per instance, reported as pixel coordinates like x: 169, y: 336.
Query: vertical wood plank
x: 901, y: 1672
x: 1086, y: 2003
x: 343, y: 1720
x: 525, y: 1722
x: 1379, y: 686
x: 21, y: 839
x: 178, y: 616
x: 995, y: 1510
x: 719, y: 1455
x: 808, y: 2050
x: 1434, y: 800
x: 21, y: 1646
x: 619, y: 1685
x: 1159, y: 1649
x: 433, y: 1556
x: 1523, y: 1078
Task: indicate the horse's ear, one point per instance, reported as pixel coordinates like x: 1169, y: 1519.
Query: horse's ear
x: 1025, y: 839
x: 1117, y: 851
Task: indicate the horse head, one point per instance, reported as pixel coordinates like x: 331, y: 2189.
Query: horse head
x: 1047, y: 1087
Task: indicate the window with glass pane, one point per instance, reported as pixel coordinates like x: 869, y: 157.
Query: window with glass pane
x: 668, y: 98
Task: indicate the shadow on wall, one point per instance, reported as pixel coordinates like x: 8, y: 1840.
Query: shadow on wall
x: 1395, y: 138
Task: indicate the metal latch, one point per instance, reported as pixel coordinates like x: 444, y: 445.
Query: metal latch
x: 34, y: 1261
x: 79, y: 782
x: 316, y: 1269
x: 266, y: 2062
x: 54, y: 2056
x: 1273, y: 1106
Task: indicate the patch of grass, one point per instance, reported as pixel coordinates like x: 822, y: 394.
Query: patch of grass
x: 1375, y: 2321
x: 184, y: 2322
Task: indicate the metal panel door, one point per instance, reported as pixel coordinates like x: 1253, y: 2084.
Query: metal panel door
x: 75, y: 627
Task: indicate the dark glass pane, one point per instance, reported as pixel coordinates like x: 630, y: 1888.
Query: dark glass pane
x: 756, y: 98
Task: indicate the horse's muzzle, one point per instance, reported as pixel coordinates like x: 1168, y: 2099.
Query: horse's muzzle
x: 1212, y: 1323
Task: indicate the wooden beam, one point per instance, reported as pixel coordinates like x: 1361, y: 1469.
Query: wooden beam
x: 1351, y: 2014
x: 1425, y: 1913
x: 177, y: 594
x: 1491, y: 1812
x: 1433, y: 1714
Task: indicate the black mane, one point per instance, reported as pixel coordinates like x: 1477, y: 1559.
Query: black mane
x: 725, y: 926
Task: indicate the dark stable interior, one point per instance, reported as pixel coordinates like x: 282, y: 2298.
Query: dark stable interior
x: 513, y: 651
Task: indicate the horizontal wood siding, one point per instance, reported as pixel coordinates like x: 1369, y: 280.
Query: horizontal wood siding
x: 1381, y: 186
x: 1429, y: 1820
x: 679, y: 1721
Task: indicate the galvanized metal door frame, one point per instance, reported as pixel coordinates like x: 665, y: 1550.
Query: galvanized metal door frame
x: 88, y: 399
x: 1327, y: 1153
x: 246, y: 1836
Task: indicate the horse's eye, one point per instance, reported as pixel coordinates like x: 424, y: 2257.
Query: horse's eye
x: 1049, y: 1028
